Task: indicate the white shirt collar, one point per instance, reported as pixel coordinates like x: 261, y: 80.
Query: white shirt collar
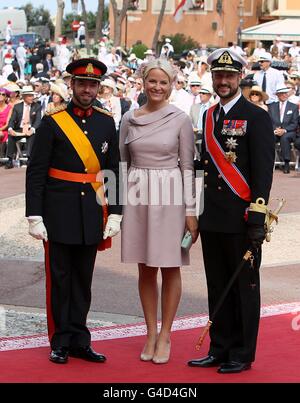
x: 230, y: 104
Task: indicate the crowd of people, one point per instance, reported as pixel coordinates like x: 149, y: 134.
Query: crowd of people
x: 157, y: 116
x: 276, y: 89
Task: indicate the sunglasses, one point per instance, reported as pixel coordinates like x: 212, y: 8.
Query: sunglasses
x: 195, y: 85
x: 3, y: 94
x: 255, y: 93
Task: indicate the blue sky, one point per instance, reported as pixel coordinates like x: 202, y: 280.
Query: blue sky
x: 91, y: 5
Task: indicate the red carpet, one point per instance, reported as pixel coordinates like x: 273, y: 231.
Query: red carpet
x: 278, y: 360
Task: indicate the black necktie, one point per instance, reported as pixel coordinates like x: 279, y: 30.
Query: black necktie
x: 264, y: 83
x: 219, y: 121
x: 221, y: 115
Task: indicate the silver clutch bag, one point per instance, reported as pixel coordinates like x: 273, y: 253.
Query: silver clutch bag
x: 187, y: 241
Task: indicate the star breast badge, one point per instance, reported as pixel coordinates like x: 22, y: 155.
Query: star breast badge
x: 230, y: 156
x: 104, y: 147
x: 231, y: 143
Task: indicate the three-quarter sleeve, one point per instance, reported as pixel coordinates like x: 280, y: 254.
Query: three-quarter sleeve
x: 186, y: 157
x: 125, y: 155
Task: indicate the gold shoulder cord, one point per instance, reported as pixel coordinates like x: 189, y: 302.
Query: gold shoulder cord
x: 57, y: 109
x: 102, y: 111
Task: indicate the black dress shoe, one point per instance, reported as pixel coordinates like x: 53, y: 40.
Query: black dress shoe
x: 59, y: 355
x: 9, y: 165
x: 206, y: 362
x: 286, y: 168
x: 233, y: 367
x: 87, y: 353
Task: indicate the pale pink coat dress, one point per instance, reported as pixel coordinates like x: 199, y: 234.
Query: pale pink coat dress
x: 152, y: 226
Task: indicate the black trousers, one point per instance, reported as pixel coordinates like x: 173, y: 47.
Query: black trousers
x: 12, y: 148
x: 69, y: 272
x: 285, y: 144
x: 234, y: 331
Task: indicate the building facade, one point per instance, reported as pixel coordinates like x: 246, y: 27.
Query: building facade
x: 213, y: 22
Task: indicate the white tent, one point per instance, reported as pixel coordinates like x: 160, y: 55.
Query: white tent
x: 288, y: 29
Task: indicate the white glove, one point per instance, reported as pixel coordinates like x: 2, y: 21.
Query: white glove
x: 113, y: 225
x: 37, y: 228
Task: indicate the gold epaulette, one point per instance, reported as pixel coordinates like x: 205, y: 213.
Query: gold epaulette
x: 56, y: 109
x: 102, y: 111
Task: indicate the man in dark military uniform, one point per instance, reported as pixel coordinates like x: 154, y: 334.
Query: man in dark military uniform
x: 237, y: 159
x: 66, y: 206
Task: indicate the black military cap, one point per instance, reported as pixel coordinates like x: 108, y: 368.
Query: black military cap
x: 88, y: 69
x: 225, y: 59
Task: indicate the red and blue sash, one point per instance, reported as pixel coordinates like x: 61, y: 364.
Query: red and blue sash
x: 229, y: 171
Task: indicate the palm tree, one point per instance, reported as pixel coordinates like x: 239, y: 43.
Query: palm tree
x: 119, y: 16
x: 99, y: 19
x: 59, y: 18
x: 84, y: 17
x: 159, y: 24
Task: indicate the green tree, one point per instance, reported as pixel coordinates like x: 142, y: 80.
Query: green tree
x: 68, y: 19
x: 139, y: 50
x: 37, y: 16
x: 181, y: 42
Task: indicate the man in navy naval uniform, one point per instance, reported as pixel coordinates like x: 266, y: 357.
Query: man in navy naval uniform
x: 237, y: 158
x: 66, y: 207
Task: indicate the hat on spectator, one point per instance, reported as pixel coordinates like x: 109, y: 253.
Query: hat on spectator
x: 281, y: 89
x: 27, y: 90
x: 225, y: 59
x: 195, y: 81
x: 202, y: 59
x: 180, y: 79
x: 108, y: 83
x: 87, y: 69
x: 132, y: 57
x: 65, y: 74
x: 265, y: 57
x: 206, y: 90
x: 168, y: 40
x: 120, y: 86
x: 149, y: 52
x: 8, y: 58
x: 58, y: 89
x: 5, y: 90
x: 258, y: 89
x: 12, y: 87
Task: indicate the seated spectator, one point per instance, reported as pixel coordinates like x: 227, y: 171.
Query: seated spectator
x: 284, y: 115
x: 59, y: 96
x: 4, y: 115
x: 258, y: 97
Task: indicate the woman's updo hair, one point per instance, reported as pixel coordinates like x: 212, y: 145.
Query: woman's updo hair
x: 159, y: 64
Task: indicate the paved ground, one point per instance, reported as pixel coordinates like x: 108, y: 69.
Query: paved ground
x: 115, y: 296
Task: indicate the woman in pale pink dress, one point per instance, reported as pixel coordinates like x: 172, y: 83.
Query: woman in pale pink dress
x: 4, y: 114
x: 159, y: 204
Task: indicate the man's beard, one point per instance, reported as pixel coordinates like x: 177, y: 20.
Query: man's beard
x: 84, y: 104
x: 232, y: 92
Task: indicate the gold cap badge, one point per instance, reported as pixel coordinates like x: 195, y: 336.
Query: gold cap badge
x: 225, y: 58
x: 89, y: 69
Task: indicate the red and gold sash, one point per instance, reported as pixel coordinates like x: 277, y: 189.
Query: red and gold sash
x: 89, y: 158
x: 229, y: 171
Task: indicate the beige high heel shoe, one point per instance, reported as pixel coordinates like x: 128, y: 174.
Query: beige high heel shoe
x: 163, y: 359
x: 147, y: 357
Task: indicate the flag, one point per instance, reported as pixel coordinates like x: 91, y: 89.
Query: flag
x: 182, y: 6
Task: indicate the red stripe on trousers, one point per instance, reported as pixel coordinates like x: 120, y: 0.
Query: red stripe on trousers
x: 50, y: 321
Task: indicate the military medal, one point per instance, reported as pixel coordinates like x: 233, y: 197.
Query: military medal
x: 234, y: 127
x: 104, y: 147
x: 231, y: 143
x: 230, y: 156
